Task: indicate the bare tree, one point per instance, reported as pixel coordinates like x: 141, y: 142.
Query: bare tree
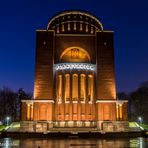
x: 10, y: 103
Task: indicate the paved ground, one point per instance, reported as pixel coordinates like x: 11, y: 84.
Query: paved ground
x: 134, y: 126
x: 14, y: 127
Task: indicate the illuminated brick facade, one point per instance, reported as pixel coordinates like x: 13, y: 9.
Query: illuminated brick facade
x: 74, y: 76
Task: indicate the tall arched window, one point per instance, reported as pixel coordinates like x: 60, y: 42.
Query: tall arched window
x: 75, y: 54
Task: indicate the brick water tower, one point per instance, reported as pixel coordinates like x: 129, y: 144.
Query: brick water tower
x: 74, y: 84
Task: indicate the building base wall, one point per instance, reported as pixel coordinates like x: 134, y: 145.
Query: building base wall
x: 75, y: 124
x: 27, y: 126
x: 100, y: 126
x: 113, y: 126
x: 33, y: 126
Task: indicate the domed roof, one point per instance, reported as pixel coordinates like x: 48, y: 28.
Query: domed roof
x: 70, y: 17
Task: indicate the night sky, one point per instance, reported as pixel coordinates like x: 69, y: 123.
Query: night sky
x: 20, y: 18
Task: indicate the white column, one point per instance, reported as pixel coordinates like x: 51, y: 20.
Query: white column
x: 67, y: 87
x: 82, y: 87
x: 75, y: 86
x: 90, y: 87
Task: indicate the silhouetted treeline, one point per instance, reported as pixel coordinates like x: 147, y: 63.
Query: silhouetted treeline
x: 137, y: 102
x: 10, y: 103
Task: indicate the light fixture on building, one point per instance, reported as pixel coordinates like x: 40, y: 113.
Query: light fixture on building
x: 70, y: 66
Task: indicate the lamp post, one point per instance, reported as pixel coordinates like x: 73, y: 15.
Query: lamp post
x: 7, y: 120
x: 140, y: 120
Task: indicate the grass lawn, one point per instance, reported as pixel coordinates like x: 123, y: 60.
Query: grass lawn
x: 134, y: 124
x: 2, y: 127
x: 145, y: 126
x: 12, y: 126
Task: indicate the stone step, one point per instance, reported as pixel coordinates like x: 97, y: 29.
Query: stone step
x: 73, y: 129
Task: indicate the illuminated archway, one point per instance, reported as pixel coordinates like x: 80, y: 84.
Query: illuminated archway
x: 75, y: 54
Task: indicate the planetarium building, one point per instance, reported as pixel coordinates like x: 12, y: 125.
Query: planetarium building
x: 74, y: 86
